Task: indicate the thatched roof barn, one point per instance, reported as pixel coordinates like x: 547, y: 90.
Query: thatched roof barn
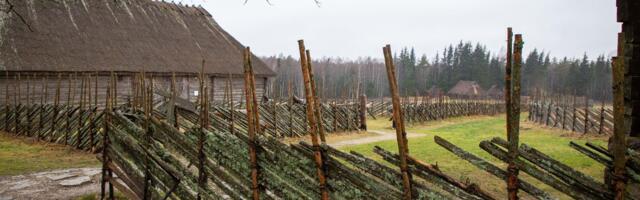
x: 43, y: 38
x: 466, y: 89
x: 495, y: 91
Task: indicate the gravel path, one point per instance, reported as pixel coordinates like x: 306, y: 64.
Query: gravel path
x: 56, y: 184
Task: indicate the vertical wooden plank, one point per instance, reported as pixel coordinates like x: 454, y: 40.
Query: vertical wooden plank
x: 401, y: 135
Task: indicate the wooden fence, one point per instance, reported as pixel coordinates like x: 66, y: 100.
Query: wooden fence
x: 69, y: 125
x: 583, y: 119
x: 421, y: 111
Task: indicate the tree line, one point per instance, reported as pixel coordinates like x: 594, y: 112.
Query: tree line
x: 346, y: 78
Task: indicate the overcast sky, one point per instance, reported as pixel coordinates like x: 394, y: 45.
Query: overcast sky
x: 353, y: 28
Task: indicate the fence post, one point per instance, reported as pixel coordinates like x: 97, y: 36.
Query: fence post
x: 363, y: 112
x: 619, y: 134
x: 318, y: 111
x: 573, y: 117
x: 252, y: 122
x: 586, y: 114
x: 318, y: 153
x: 601, y: 123
x: 401, y: 135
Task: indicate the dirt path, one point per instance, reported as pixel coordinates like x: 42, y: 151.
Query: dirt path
x: 379, y: 136
x: 57, y: 184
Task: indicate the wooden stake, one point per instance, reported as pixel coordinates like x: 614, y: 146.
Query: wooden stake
x: 252, y: 126
x: 320, y: 167
x: 512, y: 170
x: 317, y: 108
x: 401, y: 135
x: 619, y: 143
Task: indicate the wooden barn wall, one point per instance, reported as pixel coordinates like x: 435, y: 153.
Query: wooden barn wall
x: 220, y: 88
x: 31, y: 87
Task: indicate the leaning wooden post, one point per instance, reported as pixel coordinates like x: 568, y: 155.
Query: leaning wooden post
x: 619, y: 143
x: 251, y: 122
x: 317, y: 108
x: 512, y: 106
x: 317, y: 151
x: 401, y: 135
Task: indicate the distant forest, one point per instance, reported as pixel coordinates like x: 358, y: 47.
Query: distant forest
x: 343, y: 78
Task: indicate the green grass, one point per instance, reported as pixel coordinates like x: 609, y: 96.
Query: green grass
x: 117, y: 195
x: 467, y: 134
x: 20, y: 155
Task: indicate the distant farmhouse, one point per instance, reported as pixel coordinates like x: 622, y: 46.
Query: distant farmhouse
x: 495, y: 92
x: 466, y: 89
x: 43, y: 39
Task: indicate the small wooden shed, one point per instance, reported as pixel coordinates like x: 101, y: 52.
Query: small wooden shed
x: 42, y: 40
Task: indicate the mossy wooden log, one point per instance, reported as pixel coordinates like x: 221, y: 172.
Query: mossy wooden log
x: 567, y: 174
x: 530, y: 169
x: 434, y: 176
x: 491, y: 168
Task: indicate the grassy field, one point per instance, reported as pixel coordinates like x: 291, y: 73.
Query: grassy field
x: 467, y: 132
x: 24, y: 155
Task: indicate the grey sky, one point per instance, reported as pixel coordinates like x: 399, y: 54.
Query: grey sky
x: 353, y: 28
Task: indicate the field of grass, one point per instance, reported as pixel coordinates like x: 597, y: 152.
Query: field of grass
x: 20, y: 155
x: 467, y: 132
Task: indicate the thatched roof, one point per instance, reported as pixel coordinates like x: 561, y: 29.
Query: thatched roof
x: 125, y: 36
x: 495, y: 91
x: 466, y: 88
